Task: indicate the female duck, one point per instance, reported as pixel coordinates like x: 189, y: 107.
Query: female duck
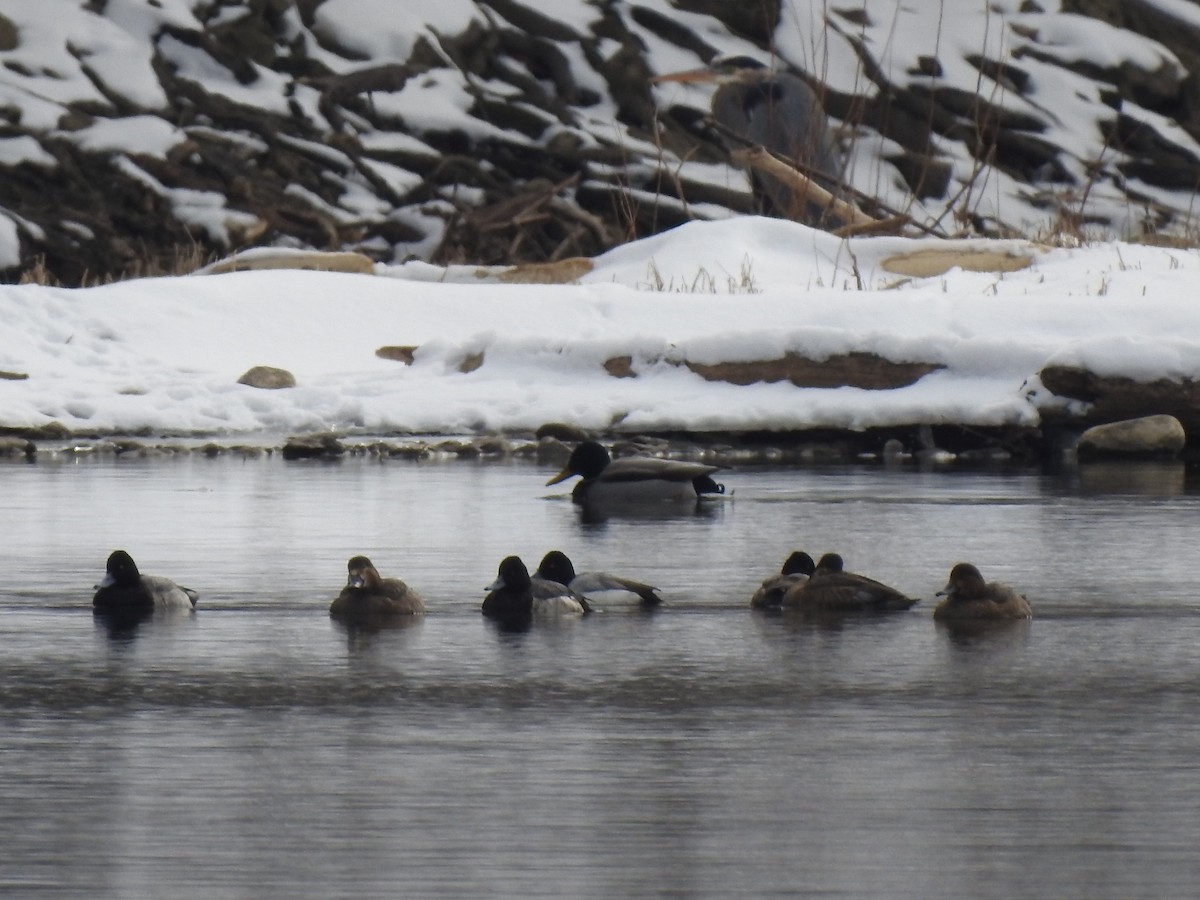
x: 556, y: 567
x: 634, y: 478
x: 368, y: 595
x: 513, y: 596
x: 969, y: 597
x: 124, y: 589
x: 796, y: 570
x: 832, y: 589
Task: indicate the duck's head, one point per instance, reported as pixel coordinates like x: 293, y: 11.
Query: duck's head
x: 512, y: 575
x: 799, y: 563
x: 965, y: 581
x: 556, y: 566
x: 120, y: 569
x: 830, y: 562
x: 361, y: 573
x: 587, y: 460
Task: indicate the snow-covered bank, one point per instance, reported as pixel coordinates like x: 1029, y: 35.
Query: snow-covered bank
x: 164, y: 355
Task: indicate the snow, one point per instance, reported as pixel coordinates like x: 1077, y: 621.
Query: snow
x: 165, y: 354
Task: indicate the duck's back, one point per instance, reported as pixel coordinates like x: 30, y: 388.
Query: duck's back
x: 998, y: 601
x: 845, y: 592
x: 391, y: 597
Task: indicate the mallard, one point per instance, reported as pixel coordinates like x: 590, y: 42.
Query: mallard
x: 124, y: 589
x: 634, y: 478
x: 368, y: 595
x: 556, y: 567
x: 796, y: 570
x: 968, y: 596
x: 830, y: 588
x: 513, y: 596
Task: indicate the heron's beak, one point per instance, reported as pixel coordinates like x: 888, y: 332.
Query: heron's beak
x: 689, y: 76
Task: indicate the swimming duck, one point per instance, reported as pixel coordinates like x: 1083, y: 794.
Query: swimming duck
x: 124, y: 589
x: 513, y: 596
x: 368, y: 595
x: 832, y: 589
x: 796, y: 570
x: 968, y: 596
x: 556, y: 567
x: 634, y: 478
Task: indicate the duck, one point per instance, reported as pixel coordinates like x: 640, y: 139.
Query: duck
x: 368, y: 595
x: 556, y: 567
x: 796, y: 570
x: 514, y: 596
x: 634, y: 478
x: 969, y: 597
x: 126, y: 590
x: 831, y: 588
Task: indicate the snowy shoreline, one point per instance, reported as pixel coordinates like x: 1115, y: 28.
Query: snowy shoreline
x: 610, y: 353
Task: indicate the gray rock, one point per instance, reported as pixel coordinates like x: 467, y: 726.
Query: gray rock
x: 1150, y: 437
x: 268, y: 378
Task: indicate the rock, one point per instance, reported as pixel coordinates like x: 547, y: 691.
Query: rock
x: 470, y: 362
x: 1150, y: 437
x: 268, y: 378
x: 404, y: 354
x: 309, y: 260
x: 313, y: 446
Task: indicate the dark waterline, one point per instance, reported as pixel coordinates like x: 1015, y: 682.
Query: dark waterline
x: 257, y: 749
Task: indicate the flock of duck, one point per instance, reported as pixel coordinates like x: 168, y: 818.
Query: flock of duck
x: 556, y: 590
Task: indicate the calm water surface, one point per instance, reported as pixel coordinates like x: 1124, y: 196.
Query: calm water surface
x: 256, y: 749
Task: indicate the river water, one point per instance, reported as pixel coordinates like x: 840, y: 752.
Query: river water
x: 255, y: 749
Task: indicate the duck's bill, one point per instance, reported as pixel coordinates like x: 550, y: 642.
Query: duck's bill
x: 106, y: 581
x: 495, y: 585
x: 561, y: 476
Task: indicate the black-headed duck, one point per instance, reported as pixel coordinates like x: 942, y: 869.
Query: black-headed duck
x: 368, y: 595
x: 969, y: 597
x: 634, y: 479
x: 796, y: 570
x: 832, y: 589
x: 513, y: 596
x: 556, y: 567
x: 125, y: 590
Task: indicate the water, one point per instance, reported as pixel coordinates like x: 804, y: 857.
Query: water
x: 256, y: 749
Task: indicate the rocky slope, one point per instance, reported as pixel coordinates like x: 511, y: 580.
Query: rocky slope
x: 141, y: 137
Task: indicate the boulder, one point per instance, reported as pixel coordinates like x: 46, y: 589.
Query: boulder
x: 1150, y: 437
x: 268, y: 378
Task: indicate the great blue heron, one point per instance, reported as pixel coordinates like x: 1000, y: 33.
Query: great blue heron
x: 774, y: 110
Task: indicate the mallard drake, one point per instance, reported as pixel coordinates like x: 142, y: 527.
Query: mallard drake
x: 968, y: 596
x: 796, y: 570
x: 513, y: 596
x: 832, y: 589
x: 368, y: 595
x: 124, y: 589
x: 556, y: 567
x: 634, y: 478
